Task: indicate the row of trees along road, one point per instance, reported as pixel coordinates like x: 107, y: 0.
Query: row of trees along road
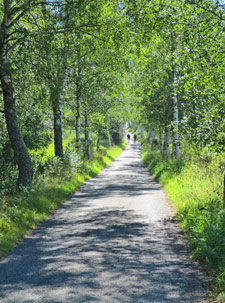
x: 79, y: 63
x: 57, y: 55
x: 179, y: 67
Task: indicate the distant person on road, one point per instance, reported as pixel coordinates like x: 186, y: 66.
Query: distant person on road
x: 135, y: 138
x: 128, y: 138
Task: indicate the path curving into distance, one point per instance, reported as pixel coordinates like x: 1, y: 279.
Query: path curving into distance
x: 112, y: 241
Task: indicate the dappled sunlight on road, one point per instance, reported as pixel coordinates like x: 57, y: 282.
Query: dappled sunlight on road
x: 113, y: 241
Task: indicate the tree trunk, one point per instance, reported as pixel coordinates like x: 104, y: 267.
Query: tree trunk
x: 153, y: 140
x: 224, y: 188
x: 165, y: 141
x: 78, y: 123
x: 168, y: 142
x: 98, y: 139
x: 78, y: 100
x: 56, y: 98
x: 87, y: 137
x: 176, y: 143
x: 176, y: 113
x: 109, y: 136
x: 161, y: 139
x: 174, y: 146
x: 21, y: 155
x: 141, y: 131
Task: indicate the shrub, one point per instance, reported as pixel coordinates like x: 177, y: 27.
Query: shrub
x: 8, y: 178
x: 21, y: 211
x: 195, y: 186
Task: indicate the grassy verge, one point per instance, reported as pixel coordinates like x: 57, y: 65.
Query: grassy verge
x: 195, y: 186
x: 19, y: 213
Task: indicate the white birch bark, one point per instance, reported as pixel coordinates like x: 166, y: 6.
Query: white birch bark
x: 176, y: 113
x: 176, y: 143
x: 108, y: 133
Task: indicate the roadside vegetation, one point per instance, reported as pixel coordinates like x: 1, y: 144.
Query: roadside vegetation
x: 194, y: 185
x: 73, y: 73
x: 61, y: 118
x: 22, y: 211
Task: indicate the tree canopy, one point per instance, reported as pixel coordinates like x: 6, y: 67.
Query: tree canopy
x: 88, y: 67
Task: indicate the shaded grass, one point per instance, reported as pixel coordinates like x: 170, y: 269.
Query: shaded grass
x: 195, y: 186
x: 24, y: 211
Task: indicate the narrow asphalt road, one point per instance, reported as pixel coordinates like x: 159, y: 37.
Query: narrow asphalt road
x: 113, y: 241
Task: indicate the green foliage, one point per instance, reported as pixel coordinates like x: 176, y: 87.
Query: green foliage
x: 195, y: 187
x: 21, y: 212
x: 118, y: 61
x: 187, y: 35
x: 162, y: 168
x: 116, y: 128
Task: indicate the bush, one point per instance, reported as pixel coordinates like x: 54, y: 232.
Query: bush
x: 195, y: 186
x: 8, y: 178
x: 20, y: 212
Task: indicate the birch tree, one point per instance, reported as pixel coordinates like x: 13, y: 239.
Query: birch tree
x: 12, y: 13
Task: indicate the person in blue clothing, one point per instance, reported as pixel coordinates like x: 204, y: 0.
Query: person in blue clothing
x: 128, y: 138
x: 135, y: 138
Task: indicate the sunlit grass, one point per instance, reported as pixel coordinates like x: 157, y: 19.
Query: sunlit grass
x: 195, y: 187
x: 21, y: 212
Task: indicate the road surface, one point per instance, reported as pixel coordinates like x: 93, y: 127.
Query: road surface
x: 113, y: 241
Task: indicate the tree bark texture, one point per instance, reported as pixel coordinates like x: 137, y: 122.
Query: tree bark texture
x: 176, y: 143
x: 176, y: 113
x: 98, y: 139
x: 78, y: 105
x: 78, y: 122
x: 109, y: 136
x: 224, y: 188
x: 161, y: 139
x: 56, y: 98
x: 21, y: 154
x: 168, y: 142
x: 87, y: 136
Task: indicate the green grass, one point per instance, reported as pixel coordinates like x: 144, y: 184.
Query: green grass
x: 49, y: 150
x: 195, y: 186
x: 21, y: 212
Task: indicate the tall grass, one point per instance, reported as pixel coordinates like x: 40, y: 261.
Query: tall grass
x: 195, y: 186
x: 22, y: 211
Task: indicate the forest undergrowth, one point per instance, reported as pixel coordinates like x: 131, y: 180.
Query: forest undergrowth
x: 194, y: 184
x: 54, y: 182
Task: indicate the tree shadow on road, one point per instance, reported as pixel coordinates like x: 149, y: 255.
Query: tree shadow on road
x: 88, y: 253
x: 105, y: 256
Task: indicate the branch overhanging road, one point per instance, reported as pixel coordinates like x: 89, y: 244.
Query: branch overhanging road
x: 113, y: 241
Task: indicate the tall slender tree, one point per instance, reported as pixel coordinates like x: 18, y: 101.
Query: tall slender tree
x: 11, y: 15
